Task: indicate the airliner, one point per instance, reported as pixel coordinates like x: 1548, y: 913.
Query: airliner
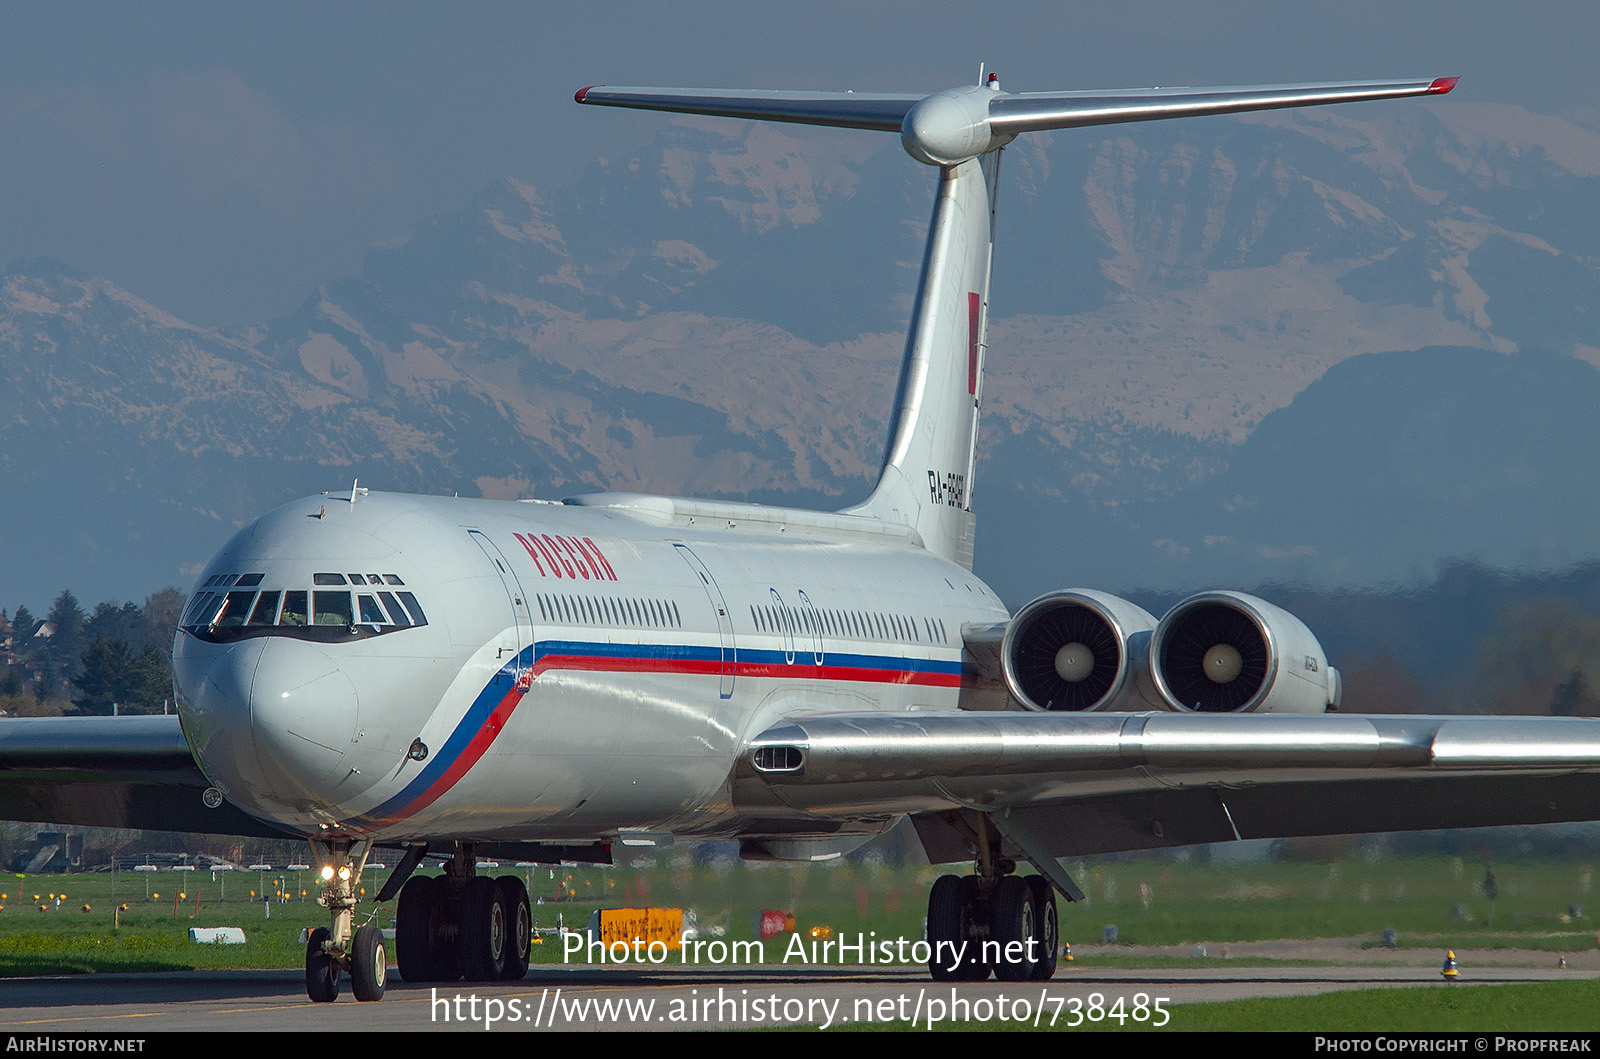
x: 563, y: 680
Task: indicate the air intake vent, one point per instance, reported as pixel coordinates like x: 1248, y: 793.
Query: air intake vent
x: 779, y: 759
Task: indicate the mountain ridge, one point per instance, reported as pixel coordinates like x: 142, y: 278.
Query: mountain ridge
x: 1160, y: 295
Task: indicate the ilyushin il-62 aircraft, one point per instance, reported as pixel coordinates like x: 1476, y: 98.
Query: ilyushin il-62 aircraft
x: 551, y: 681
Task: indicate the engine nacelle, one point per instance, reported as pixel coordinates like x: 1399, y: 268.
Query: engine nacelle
x: 1227, y: 652
x: 1080, y: 650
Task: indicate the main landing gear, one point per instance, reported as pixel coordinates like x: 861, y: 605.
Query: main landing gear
x: 992, y: 922
x: 457, y: 925
x: 463, y: 925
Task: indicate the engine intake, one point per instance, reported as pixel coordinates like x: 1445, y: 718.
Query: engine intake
x: 1079, y: 650
x: 1227, y: 652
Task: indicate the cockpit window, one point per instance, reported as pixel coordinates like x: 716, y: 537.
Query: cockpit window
x: 234, y: 609
x: 413, y: 607
x: 331, y: 608
x: 397, y: 613
x: 266, y: 609
x: 371, y: 613
x: 295, y: 611
x: 199, y: 606
x: 326, y: 615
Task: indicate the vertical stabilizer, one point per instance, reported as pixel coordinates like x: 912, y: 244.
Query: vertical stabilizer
x: 927, y: 474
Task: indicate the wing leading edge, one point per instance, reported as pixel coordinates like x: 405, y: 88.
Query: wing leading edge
x: 133, y: 772
x: 1090, y: 783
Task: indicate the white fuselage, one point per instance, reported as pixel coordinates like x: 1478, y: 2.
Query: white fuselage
x: 585, y: 669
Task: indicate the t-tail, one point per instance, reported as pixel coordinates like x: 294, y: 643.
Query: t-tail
x: 927, y: 477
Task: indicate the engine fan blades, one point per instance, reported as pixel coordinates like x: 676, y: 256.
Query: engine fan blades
x: 1068, y: 658
x: 1214, y: 659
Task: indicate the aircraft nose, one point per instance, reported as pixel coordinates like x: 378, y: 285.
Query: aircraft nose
x: 217, y: 710
x: 302, y: 719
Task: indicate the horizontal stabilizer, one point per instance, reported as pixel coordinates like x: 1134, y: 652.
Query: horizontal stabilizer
x: 848, y: 110
x: 1033, y: 111
x: 959, y: 123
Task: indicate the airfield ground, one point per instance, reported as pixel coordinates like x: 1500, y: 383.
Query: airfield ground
x: 1186, y: 932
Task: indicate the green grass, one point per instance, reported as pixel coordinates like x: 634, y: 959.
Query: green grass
x: 1543, y: 1006
x: 1547, y: 1007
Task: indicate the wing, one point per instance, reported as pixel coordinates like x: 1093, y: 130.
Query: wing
x: 133, y: 772
x: 1074, y: 784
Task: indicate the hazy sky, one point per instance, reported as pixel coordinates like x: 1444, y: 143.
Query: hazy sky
x: 220, y: 160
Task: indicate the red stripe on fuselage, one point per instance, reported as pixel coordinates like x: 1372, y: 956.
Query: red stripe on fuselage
x: 796, y: 670
x: 974, y: 316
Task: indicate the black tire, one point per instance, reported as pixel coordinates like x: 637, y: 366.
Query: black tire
x: 368, y: 963
x: 945, y: 923
x: 444, y: 935
x: 974, y: 914
x: 413, y: 919
x: 322, y: 973
x: 1013, y: 929
x: 1045, y: 930
x: 483, y: 931
x: 519, y: 927
x: 954, y: 911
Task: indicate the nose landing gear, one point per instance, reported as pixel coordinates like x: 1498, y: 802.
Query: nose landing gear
x: 342, y: 946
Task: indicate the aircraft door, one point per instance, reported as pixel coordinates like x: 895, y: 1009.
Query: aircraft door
x: 787, y: 623
x: 730, y: 649
x: 813, y: 623
x: 520, y: 664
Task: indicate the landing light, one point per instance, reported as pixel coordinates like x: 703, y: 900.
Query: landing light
x: 327, y: 873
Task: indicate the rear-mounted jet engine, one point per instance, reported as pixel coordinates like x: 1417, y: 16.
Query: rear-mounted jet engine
x: 1080, y: 650
x: 1227, y: 652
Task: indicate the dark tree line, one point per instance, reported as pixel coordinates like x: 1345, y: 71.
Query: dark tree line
x: 116, y: 659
